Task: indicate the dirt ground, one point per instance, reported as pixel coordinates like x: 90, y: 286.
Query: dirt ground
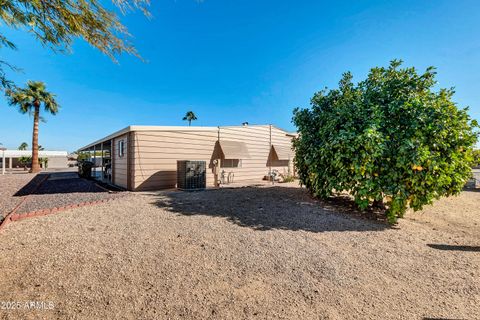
x: 266, y: 253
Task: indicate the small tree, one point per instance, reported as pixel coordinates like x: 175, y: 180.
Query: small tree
x: 29, y: 100
x: 43, y: 162
x: 25, y: 162
x: 190, y: 116
x: 23, y: 146
x: 388, y: 140
x: 55, y: 24
x: 476, y: 158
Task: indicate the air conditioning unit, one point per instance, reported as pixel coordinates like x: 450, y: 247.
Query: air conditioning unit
x: 191, y: 175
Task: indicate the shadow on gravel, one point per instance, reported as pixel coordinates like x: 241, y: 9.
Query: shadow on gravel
x: 270, y: 208
x: 30, y: 187
x: 58, y: 183
x: 448, y: 247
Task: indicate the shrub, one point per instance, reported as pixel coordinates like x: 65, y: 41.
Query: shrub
x: 25, y: 161
x: 388, y: 140
x: 286, y: 177
x: 476, y: 158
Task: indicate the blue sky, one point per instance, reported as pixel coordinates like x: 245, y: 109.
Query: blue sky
x: 234, y: 61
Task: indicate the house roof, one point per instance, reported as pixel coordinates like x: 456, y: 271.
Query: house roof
x: 169, y: 128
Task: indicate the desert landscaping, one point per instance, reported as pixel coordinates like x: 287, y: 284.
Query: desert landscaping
x: 241, y: 253
x: 240, y: 160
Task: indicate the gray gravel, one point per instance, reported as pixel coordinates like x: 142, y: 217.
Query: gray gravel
x: 58, y: 191
x: 242, y: 254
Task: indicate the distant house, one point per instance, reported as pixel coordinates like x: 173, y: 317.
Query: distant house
x: 56, y: 159
x: 145, y: 157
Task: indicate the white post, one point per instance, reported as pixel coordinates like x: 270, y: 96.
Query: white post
x: 101, y: 146
x: 94, y: 168
x: 3, y: 161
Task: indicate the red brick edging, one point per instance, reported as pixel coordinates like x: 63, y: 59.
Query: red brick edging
x: 39, y: 213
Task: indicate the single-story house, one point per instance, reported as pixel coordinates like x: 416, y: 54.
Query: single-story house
x: 145, y: 157
x: 56, y: 159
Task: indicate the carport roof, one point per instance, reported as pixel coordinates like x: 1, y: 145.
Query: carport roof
x: 9, y: 153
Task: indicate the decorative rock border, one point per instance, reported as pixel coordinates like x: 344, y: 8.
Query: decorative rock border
x: 14, y: 216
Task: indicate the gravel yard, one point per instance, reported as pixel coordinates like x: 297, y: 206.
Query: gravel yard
x: 245, y: 253
x: 62, y: 189
x: 46, y: 191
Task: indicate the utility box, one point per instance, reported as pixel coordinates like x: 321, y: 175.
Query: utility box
x: 191, y: 175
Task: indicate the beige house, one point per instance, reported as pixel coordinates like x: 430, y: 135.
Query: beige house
x: 145, y: 157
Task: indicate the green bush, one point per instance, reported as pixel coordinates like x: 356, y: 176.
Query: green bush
x: 388, y: 140
x: 287, y: 177
x: 25, y: 161
x: 476, y: 158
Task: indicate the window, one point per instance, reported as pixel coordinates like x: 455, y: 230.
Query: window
x: 121, y: 148
x: 231, y: 163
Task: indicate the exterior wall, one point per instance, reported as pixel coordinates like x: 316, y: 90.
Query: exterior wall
x: 120, y: 172
x: 156, y: 153
x: 280, y: 139
x: 56, y: 159
x: 57, y: 162
x: 54, y: 162
x: 257, y: 139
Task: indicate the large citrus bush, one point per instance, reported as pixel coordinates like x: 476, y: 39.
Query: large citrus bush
x: 390, y: 139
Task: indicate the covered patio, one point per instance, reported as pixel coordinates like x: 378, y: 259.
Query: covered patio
x: 100, y: 154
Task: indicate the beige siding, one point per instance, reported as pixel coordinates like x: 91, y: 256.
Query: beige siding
x: 156, y: 154
x: 257, y: 139
x: 279, y: 138
x: 120, y: 163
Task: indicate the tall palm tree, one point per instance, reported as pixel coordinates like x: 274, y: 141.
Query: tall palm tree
x: 23, y: 146
x: 190, y: 116
x: 29, y: 100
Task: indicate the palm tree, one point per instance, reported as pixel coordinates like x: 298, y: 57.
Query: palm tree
x: 23, y: 146
x: 190, y: 116
x: 29, y: 100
